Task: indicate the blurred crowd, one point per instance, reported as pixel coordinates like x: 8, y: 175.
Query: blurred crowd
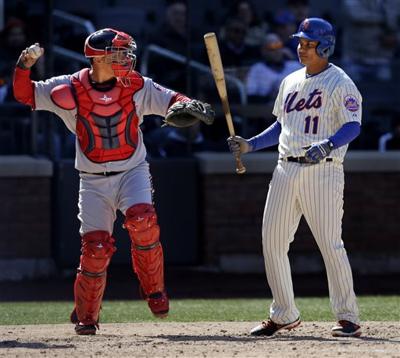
x: 256, y: 51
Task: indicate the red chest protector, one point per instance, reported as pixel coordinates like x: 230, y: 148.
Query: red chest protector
x: 107, y: 124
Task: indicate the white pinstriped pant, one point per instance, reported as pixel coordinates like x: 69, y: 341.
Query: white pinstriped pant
x: 315, y: 191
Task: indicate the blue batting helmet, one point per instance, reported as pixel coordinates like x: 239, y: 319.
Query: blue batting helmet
x: 316, y: 29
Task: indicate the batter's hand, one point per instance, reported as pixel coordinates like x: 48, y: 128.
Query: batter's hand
x: 29, y: 56
x: 318, y: 151
x: 238, y: 145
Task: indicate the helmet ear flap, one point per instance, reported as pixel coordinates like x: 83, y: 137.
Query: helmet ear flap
x: 325, y: 48
x: 322, y: 51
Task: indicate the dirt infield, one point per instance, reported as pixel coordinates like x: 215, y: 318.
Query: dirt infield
x: 214, y: 339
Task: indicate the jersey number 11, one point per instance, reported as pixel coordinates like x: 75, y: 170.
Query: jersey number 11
x: 308, y: 121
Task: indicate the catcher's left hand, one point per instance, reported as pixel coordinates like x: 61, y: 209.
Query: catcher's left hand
x: 186, y: 114
x: 318, y: 151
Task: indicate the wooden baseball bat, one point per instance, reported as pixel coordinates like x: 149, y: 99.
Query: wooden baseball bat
x: 214, y: 57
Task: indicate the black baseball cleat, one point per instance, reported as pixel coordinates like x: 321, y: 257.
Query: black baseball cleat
x: 85, y: 329
x: 346, y: 329
x: 269, y: 328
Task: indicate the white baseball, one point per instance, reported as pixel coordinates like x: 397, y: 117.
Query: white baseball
x: 34, y: 51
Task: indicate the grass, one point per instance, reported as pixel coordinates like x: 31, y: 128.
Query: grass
x: 372, y: 308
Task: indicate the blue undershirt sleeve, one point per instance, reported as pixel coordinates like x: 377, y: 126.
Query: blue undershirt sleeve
x: 345, y: 134
x: 267, y: 138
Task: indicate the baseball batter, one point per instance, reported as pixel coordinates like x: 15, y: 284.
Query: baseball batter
x: 318, y: 110
x: 104, y: 106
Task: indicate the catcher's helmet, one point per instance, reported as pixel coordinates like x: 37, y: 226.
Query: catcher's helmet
x: 316, y: 29
x: 116, y: 43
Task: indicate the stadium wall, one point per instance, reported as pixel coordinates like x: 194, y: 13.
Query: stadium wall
x: 222, y: 215
x: 232, y: 207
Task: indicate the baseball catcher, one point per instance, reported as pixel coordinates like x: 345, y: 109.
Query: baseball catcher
x: 104, y: 106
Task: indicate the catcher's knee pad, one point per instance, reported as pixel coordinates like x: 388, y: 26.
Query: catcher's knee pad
x: 146, y: 249
x: 97, y: 250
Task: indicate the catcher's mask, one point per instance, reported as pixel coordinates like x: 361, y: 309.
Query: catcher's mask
x: 119, y: 49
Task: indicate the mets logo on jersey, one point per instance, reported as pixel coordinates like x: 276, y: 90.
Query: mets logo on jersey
x: 351, y: 103
x: 292, y: 103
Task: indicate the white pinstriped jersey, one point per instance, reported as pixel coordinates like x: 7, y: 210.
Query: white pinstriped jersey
x: 311, y: 109
x: 151, y: 99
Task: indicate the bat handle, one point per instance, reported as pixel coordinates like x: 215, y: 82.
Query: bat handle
x: 240, y: 168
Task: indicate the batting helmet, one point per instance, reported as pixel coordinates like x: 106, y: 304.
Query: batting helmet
x: 116, y: 43
x: 316, y: 29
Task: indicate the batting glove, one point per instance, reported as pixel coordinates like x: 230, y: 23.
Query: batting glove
x: 238, y: 145
x: 318, y: 151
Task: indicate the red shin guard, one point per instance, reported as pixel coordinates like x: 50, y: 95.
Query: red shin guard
x: 97, y: 250
x: 146, y: 249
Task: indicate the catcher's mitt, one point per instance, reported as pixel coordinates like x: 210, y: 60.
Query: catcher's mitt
x: 186, y: 114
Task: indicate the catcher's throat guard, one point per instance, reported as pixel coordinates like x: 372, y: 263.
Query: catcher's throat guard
x: 117, y: 47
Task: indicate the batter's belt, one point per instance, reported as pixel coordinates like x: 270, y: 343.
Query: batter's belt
x: 303, y: 160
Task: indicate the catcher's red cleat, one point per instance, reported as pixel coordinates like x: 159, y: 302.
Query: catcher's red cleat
x: 159, y: 304
x: 346, y: 329
x: 269, y: 328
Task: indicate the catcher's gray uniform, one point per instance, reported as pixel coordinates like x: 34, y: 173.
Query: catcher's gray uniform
x: 100, y: 196
x: 104, y: 107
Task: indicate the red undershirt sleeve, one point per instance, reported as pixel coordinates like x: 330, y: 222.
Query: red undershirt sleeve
x: 23, y: 87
